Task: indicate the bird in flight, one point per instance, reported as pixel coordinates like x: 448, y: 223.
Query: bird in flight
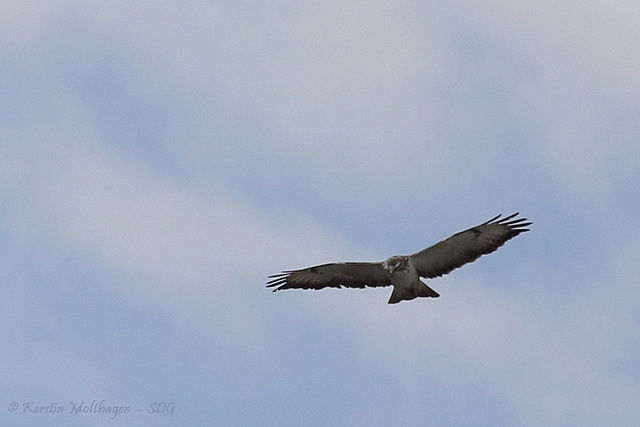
x: 404, y: 271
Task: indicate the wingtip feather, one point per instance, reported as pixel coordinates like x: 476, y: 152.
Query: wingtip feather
x: 516, y: 224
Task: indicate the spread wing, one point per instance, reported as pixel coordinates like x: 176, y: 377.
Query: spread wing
x: 348, y: 274
x: 467, y: 246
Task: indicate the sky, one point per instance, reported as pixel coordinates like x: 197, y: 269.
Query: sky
x: 159, y: 159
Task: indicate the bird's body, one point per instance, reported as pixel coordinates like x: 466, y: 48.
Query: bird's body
x: 404, y: 271
x: 405, y: 280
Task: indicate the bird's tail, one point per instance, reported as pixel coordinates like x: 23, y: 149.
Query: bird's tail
x: 420, y: 290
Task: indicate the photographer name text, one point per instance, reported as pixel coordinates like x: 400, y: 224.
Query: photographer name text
x: 94, y: 407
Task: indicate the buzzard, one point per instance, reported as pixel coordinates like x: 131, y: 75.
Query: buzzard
x: 404, y: 271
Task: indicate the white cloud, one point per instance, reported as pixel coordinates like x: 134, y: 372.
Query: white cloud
x: 329, y: 86
x: 126, y: 216
x: 553, y: 368
x: 570, y: 69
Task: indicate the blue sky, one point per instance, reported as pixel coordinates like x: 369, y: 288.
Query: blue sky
x: 159, y: 160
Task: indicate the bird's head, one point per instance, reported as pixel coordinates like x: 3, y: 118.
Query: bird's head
x: 396, y: 263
